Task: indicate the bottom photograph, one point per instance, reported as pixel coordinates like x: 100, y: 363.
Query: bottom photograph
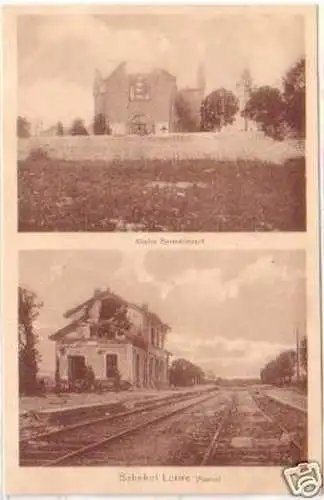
x: 162, y: 358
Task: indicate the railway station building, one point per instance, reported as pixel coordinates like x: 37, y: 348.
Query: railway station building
x: 107, y: 333
x: 143, y: 103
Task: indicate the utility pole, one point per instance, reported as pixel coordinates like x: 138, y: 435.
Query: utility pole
x: 298, y: 356
x: 245, y: 86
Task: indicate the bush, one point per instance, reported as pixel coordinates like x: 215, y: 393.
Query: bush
x: 59, y: 129
x: 101, y: 125
x: 38, y: 154
x: 23, y: 127
x: 78, y: 127
x: 266, y: 107
x: 125, y: 385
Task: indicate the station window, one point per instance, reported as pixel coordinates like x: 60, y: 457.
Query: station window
x: 111, y: 364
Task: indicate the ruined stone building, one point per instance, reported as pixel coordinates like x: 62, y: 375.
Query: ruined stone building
x: 107, y: 334
x: 143, y: 103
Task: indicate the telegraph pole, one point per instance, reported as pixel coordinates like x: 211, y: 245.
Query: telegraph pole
x: 245, y: 86
x: 298, y: 356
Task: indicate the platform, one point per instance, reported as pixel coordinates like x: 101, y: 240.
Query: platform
x: 289, y: 397
x: 52, y: 404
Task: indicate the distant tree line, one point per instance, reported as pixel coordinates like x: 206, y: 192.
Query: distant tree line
x: 183, y: 373
x: 280, y: 112
x: 237, y: 381
x: 276, y: 112
x: 281, y: 370
x: 100, y: 126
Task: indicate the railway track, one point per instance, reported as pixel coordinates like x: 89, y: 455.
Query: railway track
x: 250, y: 429
x: 67, y: 445
x: 96, y: 414
x: 252, y: 434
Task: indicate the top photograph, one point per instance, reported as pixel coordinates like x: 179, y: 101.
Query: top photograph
x: 150, y: 121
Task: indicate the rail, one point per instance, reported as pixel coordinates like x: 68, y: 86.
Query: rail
x: 237, y: 440
x: 279, y: 444
x: 28, y: 453
x: 211, y: 449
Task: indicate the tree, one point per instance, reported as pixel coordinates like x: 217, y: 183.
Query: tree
x: 29, y: 357
x: 303, y: 353
x: 78, y: 127
x: 269, y: 373
x: 23, y: 127
x: 266, y: 107
x: 184, y: 373
x: 285, y: 364
x: 279, y: 370
x: 59, y: 129
x: 294, y: 97
x: 101, y: 125
x: 210, y: 375
x: 187, y: 120
x: 218, y: 109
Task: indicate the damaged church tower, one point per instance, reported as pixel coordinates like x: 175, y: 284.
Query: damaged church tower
x: 145, y: 103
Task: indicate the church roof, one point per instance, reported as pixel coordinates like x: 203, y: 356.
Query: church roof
x: 120, y: 66
x: 153, y: 71
x: 164, y: 72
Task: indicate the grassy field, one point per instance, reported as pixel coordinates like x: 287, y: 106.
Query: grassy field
x: 161, y: 195
x: 222, y: 146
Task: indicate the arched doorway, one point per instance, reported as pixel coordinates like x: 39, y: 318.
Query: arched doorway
x: 140, y: 124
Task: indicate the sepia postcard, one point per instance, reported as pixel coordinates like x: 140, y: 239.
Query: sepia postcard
x: 161, y: 314
x: 162, y: 119
x: 162, y: 370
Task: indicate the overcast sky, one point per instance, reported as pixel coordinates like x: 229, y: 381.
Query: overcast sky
x: 230, y: 312
x: 57, y: 55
